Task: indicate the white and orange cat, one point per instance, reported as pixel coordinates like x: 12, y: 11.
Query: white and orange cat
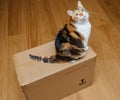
x: 71, y: 42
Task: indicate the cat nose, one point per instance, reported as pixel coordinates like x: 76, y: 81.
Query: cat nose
x: 81, y: 14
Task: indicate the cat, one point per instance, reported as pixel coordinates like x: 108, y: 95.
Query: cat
x: 71, y: 42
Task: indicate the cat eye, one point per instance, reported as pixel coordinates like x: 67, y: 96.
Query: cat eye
x: 76, y: 14
x: 82, y: 10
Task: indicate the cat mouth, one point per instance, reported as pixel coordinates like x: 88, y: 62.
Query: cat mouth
x: 82, y: 20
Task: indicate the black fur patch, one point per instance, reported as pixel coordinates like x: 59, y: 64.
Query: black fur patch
x: 74, y: 51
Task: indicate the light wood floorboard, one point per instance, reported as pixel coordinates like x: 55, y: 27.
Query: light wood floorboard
x: 28, y: 23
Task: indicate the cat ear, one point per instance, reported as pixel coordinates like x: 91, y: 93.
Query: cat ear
x: 80, y: 5
x: 70, y: 12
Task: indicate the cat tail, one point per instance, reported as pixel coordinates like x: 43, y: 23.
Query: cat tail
x: 56, y: 58
x: 44, y: 59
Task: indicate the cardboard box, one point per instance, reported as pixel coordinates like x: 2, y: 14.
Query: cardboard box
x: 41, y: 81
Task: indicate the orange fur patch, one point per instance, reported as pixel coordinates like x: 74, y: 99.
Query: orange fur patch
x: 74, y: 19
x: 74, y: 35
x: 70, y: 28
x: 66, y: 46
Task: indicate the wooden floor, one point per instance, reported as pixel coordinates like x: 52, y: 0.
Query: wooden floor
x: 28, y: 23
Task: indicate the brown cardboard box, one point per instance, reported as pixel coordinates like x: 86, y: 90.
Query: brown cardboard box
x: 41, y: 81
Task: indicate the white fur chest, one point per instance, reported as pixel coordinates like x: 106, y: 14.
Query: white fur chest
x: 84, y: 28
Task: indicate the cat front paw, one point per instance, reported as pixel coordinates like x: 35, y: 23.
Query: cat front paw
x: 86, y: 48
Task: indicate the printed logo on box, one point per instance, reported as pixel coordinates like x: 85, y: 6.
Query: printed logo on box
x: 82, y: 81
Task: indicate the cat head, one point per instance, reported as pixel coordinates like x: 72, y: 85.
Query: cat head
x: 79, y: 15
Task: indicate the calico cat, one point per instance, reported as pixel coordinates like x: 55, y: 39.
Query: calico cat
x: 71, y: 42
